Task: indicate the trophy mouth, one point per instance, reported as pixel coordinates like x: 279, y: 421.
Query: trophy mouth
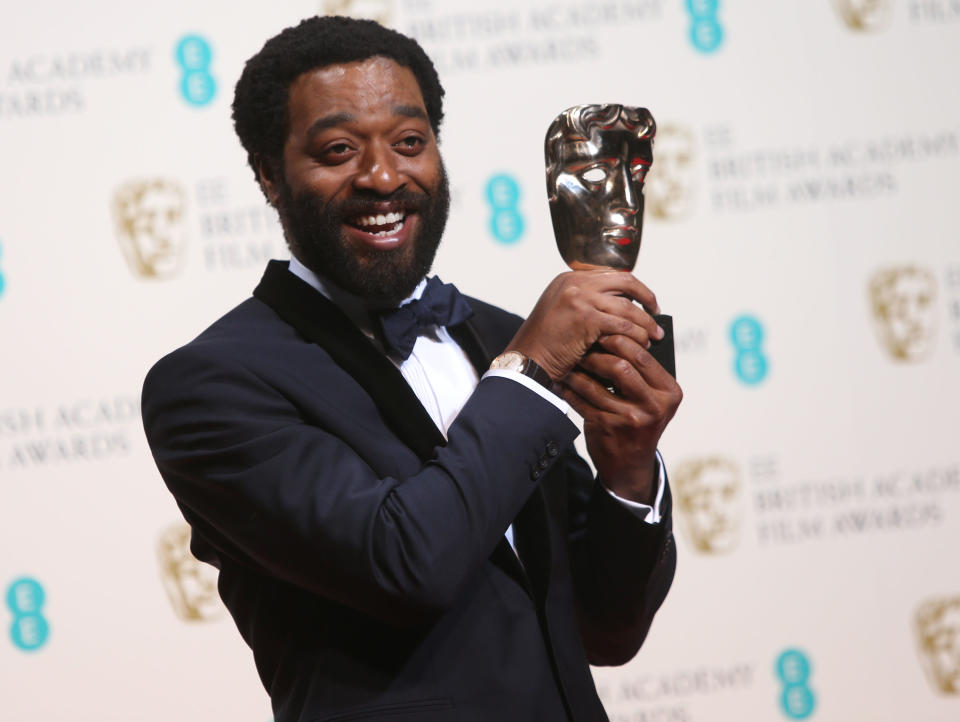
x: 620, y: 235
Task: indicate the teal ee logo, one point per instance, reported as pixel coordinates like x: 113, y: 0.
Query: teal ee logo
x: 797, y: 699
x: 197, y: 86
x: 706, y: 33
x: 3, y: 281
x: 503, y: 195
x: 29, y: 630
x: 749, y: 362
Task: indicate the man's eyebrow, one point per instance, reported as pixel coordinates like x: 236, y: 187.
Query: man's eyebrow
x: 334, y: 119
x: 328, y: 121
x: 410, y: 111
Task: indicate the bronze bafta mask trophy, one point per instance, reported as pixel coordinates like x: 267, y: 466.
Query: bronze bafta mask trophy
x: 597, y: 157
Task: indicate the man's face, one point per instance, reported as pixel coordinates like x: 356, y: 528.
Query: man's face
x: 363, y: 196
x: 596, y: 198
x: 709, y: 499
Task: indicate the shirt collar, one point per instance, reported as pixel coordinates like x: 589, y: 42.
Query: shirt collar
x: 355, y: 307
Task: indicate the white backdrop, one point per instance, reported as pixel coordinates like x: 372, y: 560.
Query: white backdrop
x: 802, y: 229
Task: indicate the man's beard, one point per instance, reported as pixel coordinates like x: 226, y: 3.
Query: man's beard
x: 313, y: 227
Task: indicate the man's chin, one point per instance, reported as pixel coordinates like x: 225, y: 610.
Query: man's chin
x: 379, y: 277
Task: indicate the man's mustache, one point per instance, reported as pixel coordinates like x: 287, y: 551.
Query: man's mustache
x: 369, y: 203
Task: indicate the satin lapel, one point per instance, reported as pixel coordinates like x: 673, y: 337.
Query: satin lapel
x: 468, y: 338
x: 320, y: 321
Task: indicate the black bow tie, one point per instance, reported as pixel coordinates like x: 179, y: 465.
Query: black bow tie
x: 440, y: 305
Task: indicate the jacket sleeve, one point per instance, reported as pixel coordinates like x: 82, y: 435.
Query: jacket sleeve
x: 622, y: 569
x: 294, y: 501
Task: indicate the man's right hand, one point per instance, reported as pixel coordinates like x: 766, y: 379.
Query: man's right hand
x: 576, y: 309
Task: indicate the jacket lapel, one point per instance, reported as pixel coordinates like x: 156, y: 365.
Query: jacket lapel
x: 321, y: 322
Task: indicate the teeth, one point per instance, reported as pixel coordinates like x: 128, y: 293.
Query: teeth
x: 389, y: 231
x: 380, y: 220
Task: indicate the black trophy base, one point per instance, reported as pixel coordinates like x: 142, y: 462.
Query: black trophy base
x: 662, y: 351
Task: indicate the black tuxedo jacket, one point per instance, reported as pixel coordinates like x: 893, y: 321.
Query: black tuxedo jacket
x: 362, y: 555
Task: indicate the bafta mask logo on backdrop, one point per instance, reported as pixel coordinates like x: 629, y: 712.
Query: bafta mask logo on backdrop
x: 864, y: 15
x: 671, y: 183
x: 149, y: 217
x: 190, y: 584
x: 937, y: 626
x: 903, y: 302
x: 707, y: 494
x: 379, y: 10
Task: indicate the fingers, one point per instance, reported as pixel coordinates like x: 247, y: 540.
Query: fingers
x: 639, y: 365
x: 589, y: 397
x: 628, y: 319
x: 624, y: 282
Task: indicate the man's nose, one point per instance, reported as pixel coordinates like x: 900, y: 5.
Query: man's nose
x: 378, y: 170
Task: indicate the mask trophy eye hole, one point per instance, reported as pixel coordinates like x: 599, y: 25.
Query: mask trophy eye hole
x: 594, y: 175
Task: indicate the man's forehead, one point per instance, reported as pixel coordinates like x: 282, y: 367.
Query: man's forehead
x: 375, y: 83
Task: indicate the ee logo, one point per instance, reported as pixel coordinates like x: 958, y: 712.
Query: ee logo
x: 29, y: 630
x: 197, y: 85
x: 3, y: 281
x: 706, y: 33
x: 749, y: 363
x: 503, y: 195
x: 797, y: 699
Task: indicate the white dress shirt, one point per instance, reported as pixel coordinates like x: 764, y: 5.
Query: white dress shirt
x: 442, y: 377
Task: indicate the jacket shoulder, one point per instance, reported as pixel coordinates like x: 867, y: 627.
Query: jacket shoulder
x: 240, y: 334
x: 494, y: 323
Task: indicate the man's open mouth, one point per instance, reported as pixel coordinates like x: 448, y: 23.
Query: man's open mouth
x: 382, y: 225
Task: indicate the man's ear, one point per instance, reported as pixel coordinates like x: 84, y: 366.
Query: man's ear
x: 268, y: 175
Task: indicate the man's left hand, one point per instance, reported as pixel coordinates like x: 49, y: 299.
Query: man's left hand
x: 623, y: 429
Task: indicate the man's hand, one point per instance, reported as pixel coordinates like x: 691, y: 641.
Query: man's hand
x: 580, y: 307
x: 623, y: 430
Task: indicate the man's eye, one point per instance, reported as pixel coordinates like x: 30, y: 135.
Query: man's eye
x: 594, y: 175
x: 410, y: 143
x: 336, y: 152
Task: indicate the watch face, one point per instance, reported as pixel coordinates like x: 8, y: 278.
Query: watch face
x: 509, y: 361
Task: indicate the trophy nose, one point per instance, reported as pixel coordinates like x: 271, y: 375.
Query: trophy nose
x: 623, y: 197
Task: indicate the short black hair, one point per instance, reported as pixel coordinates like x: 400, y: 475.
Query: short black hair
x: 260, y: 112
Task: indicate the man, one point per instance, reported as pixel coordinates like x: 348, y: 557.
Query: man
x: 396, y: 539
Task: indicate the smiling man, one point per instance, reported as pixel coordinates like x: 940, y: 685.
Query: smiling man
x: 383, y: 470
